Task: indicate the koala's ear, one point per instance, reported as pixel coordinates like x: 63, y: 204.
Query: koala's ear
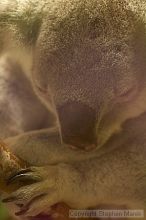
x: 23, y: 18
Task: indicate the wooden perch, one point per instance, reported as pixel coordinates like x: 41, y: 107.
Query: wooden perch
x: 9, y: 164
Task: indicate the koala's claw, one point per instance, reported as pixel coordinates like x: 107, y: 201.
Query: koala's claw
x: 25, y: 208
x: 22, y: 212
x: 19, y: 205
x: 27, y: 174
x: 37, y: 197
x: 9, y: 199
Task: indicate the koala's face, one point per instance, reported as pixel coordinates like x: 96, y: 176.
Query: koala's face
x: 94, y: 71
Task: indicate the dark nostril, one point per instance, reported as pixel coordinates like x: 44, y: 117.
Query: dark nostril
x: 77, y: 121
x: 73, y: 112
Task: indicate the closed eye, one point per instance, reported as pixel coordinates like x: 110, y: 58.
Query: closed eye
x: 127, y: 95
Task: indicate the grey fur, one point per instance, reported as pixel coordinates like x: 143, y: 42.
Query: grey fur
x: 88, y: 68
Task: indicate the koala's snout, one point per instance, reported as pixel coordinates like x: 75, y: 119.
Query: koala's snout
x: 77, y: 123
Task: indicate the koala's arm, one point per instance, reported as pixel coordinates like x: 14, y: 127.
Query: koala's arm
x: 111, y: 179
x: 44, y: 147
x: 62, y: 174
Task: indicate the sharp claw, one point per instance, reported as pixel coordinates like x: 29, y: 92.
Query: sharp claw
x: 21, y: 173
x: 22, y: 212
x: 20, y: 205
x: 14, y: 178
x: 24, y: 174
x: 9, y: 199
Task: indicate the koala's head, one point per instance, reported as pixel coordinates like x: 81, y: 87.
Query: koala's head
x: 91, y: 56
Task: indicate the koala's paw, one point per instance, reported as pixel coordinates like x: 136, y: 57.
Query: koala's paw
x: 46, y: 190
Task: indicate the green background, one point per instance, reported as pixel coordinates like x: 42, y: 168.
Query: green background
x: 3, y: 213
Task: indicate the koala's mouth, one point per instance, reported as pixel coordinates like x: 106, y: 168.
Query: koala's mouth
x: 78, y: 123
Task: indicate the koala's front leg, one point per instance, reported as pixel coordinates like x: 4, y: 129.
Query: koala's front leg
x: 43, y: 147
x: 116, y: 178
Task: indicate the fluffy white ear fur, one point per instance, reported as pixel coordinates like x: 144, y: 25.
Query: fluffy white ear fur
x: 20, y: 22
x: 22, y: 18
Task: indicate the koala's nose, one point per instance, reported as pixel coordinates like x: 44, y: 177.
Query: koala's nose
x: 77, y: 123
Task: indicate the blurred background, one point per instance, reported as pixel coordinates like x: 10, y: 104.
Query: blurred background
x: 4, y: 213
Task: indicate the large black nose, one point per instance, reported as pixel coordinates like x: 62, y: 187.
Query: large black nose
x: 77, y: 124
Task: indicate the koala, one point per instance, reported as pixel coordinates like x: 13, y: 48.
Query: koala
x: 86, y: 62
